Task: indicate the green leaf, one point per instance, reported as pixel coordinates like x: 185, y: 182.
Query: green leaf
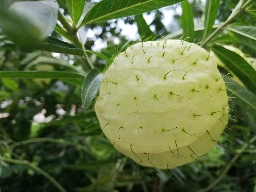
x: 187, y: 21
x: 75, y: 8
x: 238, y: 66
x: 10, y: 84
x: 30, y: 57
x: 28, y: 22
x: 113, y: 9
x: 251, y: 10
x: 71, y: 119
x: 40, y: 74
x: 44, y: 63
x: 210, y: 15
x: 88, y: 6
x: 90, y: 87
x: 9, y: 171
x: 77, y: 82
x: 55, y: 45
x: 241, y: 92
x: 58, y: 29
x: 4, y: 95
x: 178, y: 34
x: 246, y: 34
x: 143, y: 28
x: 100, y: 55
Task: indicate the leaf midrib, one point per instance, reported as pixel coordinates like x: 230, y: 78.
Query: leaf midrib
x: 208, y: 20
x: 73, y: 13
x: 117, y: 11
x: 241, y: 33
x: 238, y: 67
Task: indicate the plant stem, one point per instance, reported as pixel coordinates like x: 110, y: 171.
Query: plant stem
x: 228, y: 21
x: 118, y: 169
x: 37, y: 169
x: 144, y: 187
x: 50, y: 140
x: 229, y: 166
x: 72, y: 32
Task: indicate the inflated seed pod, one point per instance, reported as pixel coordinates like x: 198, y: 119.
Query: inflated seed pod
x: 163, y: 103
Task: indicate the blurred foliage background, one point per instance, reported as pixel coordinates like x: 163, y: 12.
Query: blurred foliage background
x: 48, y: 142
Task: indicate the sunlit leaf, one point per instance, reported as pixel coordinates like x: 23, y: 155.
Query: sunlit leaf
x: 210, y: 15
x: 143, y: 28
x: 187, y: 21
x: 10, y: 84
x: 75, y: 8
x: 113, y: 9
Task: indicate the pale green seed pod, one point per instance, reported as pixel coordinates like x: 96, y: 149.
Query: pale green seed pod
x: 28, y: 23
x: 163, y: 103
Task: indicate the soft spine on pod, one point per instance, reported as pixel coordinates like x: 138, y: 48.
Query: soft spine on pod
x: 163, y: 103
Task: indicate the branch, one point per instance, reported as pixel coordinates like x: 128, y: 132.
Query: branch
x: 228, y: 21
x: 37, y: 169
x: 72, y: 32
x: 50, y: 140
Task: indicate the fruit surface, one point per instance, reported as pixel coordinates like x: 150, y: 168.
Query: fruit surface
x: 27, y: 23
x: 163, y: 103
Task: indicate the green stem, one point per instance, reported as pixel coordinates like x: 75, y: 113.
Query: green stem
x: 118, y: 169
x: 50, y: 140
x: 37, y: 169
x: 229, y: 166
x: 228, y: 21
x: 144, y: 187
x: 72, y: 32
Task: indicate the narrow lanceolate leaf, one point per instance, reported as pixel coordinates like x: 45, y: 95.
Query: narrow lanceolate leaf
x: 210, y: 15
x: 143, y: 28
x: 59, y: 29
x: 90, y: 87
x: 100, y: 55
x: 113, y: 9
x: 246, y: 34
x: 10, y: 84
x: 238, y: 66
x: 252, y: 12
x: 72, y: 119
x: 241, y: 92
x: 88, y: 6
x: 39, y: 74
x: 187, y: 21
x: 44, y: 63
x: 75, y: 8
x: 55, y: 45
